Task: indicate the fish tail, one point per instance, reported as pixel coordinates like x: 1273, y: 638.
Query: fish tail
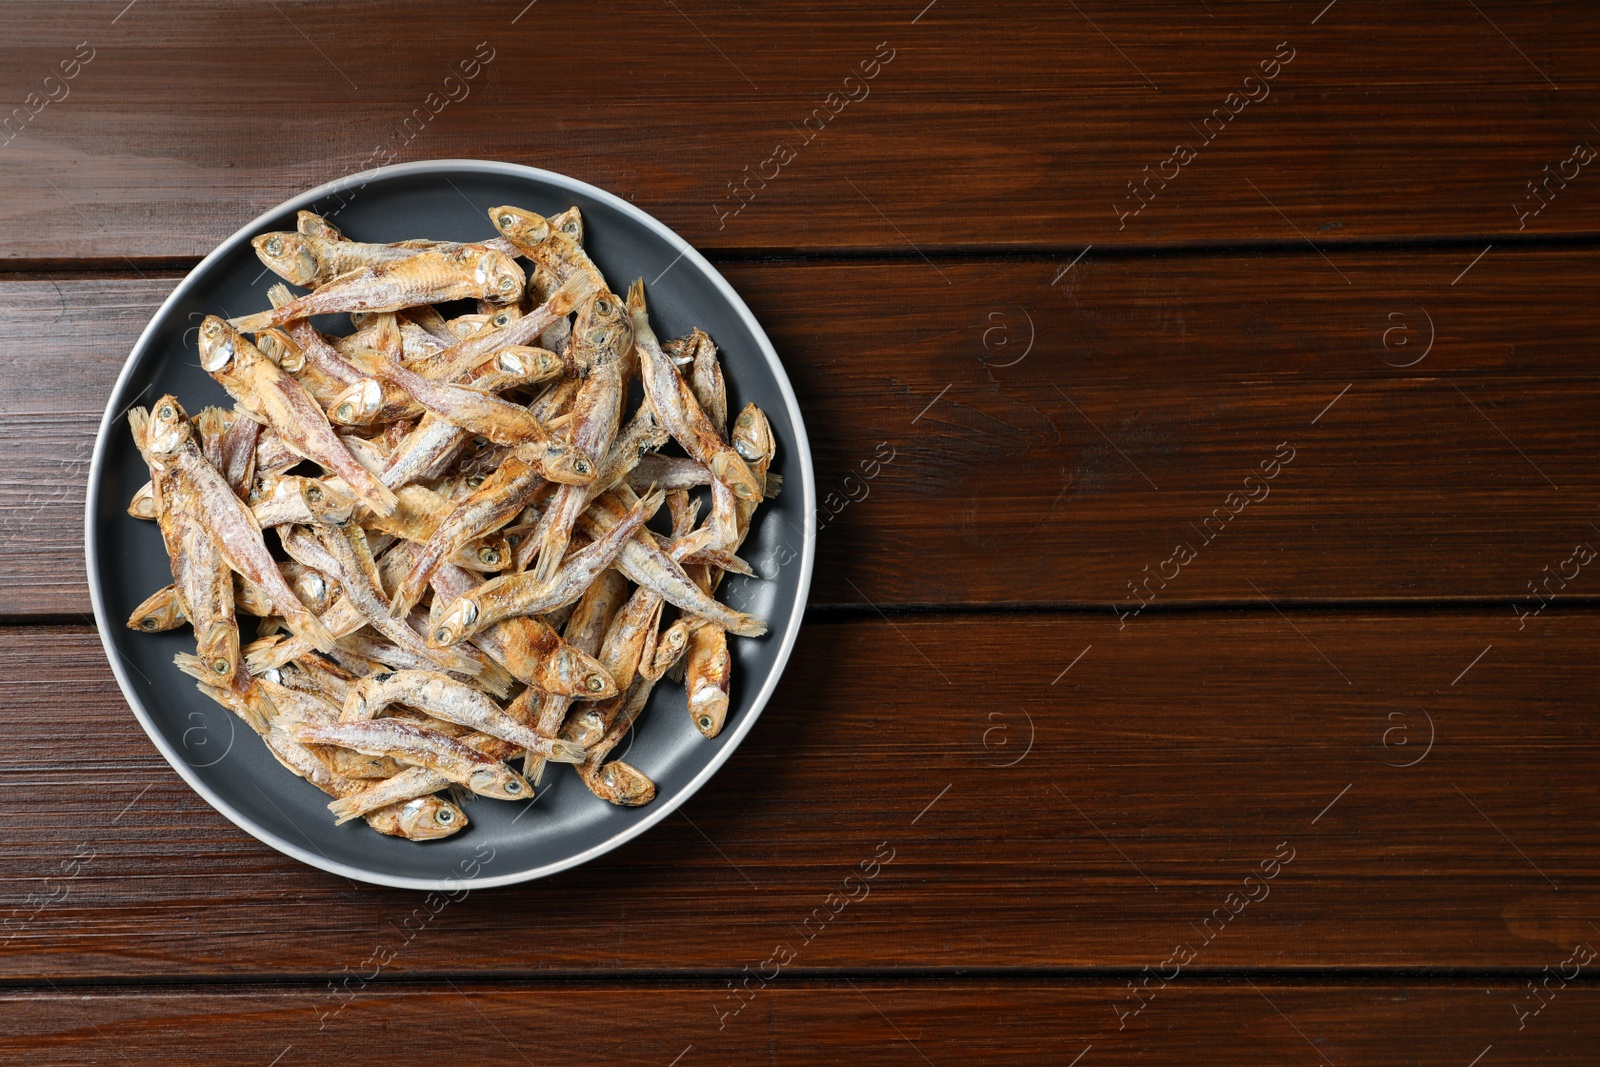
x: 274, y: 652
x: 347, y: 808
x: 774, y: 485
x: 306, y: 625
x: 552, y: 549
x: 749, y: 625
x: 261, y: 320
x: 374, y: 494
x: 493, y: 677
x: 567, y: 752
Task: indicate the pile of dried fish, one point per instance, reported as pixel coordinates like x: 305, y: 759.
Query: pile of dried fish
x: 466, y: 574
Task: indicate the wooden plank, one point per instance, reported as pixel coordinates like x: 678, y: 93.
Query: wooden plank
x: 1028, y: 791
x: 1129, y: 399
x: 808, y: 1023
x: 1021, y: 125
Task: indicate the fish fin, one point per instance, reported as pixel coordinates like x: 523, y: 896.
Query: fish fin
x: 774, y: 485
x: 567, y: 752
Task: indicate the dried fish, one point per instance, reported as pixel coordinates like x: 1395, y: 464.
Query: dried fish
x: 452, y: 449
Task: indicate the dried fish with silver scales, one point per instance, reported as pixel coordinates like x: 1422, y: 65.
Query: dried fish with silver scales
x: 368, y: 486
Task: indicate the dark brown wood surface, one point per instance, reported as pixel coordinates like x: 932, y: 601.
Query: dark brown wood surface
x: 1051, y: 441
x: 1118, y: 807
x: 1075, y: 751
x: 801, y: 1022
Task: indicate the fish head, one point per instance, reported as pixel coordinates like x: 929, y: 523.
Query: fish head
x: 170, y: 427
x: 730, y: 469
x: 328, y: 506
x: 499, y: 781
x: 671, y: 643
x: 570, y: 223
x: 313, y: 225
x: 505, y: 317
x: 708, y: 708
x: 288, y: 255
x: 622, y: 783
x: 520, y: 226
x: 165, y: 614
x: 220, y: 345
x: 752, y: 435
x: 143, y: 504
x: 217, y: 646
x: 491, y: 554
x: 502, y: 281
x: 313, y: 589
x: 526, y: 362
x: 455, y: 624
x: 430, y: 818
x: 603, y: 328
x: 281, y: 349
x: 357, y: 405
x: 562, y: 461
x: 572, y: 672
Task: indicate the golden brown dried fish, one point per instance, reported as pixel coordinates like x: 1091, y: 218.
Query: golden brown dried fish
x: 280, y: 402
x: 427, y: 277
x: 421, y: 747
x: 442, y: 471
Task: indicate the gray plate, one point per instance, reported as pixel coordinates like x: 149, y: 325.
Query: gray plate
x: 506, y: 842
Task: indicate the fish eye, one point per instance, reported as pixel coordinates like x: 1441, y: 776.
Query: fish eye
x: 581, y: 467
x: 344, y: 410
x: 594, y: 683
x: 513, y: 539
x: 221, y: 666
x: 705, y: 722
x: 442, y: 635
x: 147, y: 623
x: 476, y: 480
x: 571, y: 227
x: 488, y: 555
x: 603, y: 306
x: 313, y: 493
x: 513, y: 786
x: 507, y: 220
x: 507, y: 284
x: 275, y: 246
x: 166, y: 411
x: 444, y: 817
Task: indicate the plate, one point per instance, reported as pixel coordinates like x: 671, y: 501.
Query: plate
x: 565, y: 825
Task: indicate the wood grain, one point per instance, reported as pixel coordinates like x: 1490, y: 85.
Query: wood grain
x: 1054, y: 441
x: 1017, y: 125
x: 1040, y: 791
x: 805, y: 1023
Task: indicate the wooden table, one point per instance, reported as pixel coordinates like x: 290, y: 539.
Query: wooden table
x: 1208, y: 675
